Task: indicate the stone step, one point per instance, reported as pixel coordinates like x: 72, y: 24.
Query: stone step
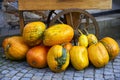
x: 109, y: 25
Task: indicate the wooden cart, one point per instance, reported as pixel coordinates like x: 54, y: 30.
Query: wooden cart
x: 73, y: 11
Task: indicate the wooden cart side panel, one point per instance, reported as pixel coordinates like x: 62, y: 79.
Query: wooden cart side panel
x: 63, y: 4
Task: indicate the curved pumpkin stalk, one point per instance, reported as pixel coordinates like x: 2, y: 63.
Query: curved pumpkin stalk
x: 61, y: 60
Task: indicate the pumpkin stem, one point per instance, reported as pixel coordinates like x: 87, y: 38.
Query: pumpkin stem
x: 61, y: 60
x: 80, y: 31
x: 7, y: 49
x: 86, y: 31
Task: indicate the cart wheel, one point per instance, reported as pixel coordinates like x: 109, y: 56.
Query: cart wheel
x: 51, y: 14
x: 86, y: 20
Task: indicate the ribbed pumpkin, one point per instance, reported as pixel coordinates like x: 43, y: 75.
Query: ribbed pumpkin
x: 58, y: 58
x: 79, y: 57
x: 15, y: 48
x: 98, y: 54
x: 58, y: 34
x: 37, y: 56
x: 33, y: 33
x: 112, y: 46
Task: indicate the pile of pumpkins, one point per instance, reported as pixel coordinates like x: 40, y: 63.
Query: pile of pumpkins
x: 52, y: 47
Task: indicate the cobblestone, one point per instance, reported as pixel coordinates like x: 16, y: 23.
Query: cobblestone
x: 25, y: 78
x: 28, y: 75
x: 11, y: 70
x: 19, y: 74
x: 5, y: 71
x: 36, y: 78
x: 78, y: 78
x: 15, y: 78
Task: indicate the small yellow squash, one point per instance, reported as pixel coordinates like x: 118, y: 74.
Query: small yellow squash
x: 92, y: 39
x: 82, y: 40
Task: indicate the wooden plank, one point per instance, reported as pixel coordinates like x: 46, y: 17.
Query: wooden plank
x: 63, y: 4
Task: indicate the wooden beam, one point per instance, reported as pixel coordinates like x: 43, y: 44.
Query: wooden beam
x: 63, y: 4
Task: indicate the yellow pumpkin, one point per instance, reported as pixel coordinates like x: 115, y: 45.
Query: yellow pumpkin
x: 15, y: 48
x: 79, y: 57
x: 58, y: 58
x: 33, y: 33
x: 58, y: 34
x: 98, y: 54
x: 112, y: 46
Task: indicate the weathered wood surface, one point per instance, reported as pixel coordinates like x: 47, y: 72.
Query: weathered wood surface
x: 63, y: 4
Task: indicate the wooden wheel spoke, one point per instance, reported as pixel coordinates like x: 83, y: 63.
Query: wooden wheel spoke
x: 60, y: 21
x: 87, y: 22
x: 71, y: 20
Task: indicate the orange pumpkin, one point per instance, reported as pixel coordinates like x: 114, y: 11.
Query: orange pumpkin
x: 15, y: 48
x: 112, y: 46
x: 37, y: 56
x: 67, y: 46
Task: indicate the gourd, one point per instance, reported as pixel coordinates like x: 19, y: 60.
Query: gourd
x: 58, y: 34
x: 82, y: 40
x: 98, y: 54
x: 92, y: 39
x: 79, y: 57
x: 15, y: 48
x: 58, y: 58
x: 112, y: 46
x: 33, y: 33
x: 37, y: 56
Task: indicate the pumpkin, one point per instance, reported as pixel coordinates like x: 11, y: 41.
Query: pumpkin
x: 15, y: 48
x: 37, y: 56
x: 33, y: 33
x: 112, y: 46
x: 58, y: 34
x: 79, y: 57
x: 67, y: 46
x: 82, y: 40
x: 58, y: 58
x: 98, y: 54
x: 92, y: 39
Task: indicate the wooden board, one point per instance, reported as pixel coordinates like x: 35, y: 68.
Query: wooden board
x: 63, y: 4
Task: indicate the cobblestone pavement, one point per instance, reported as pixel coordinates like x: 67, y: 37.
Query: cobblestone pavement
x: 12, y: 70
